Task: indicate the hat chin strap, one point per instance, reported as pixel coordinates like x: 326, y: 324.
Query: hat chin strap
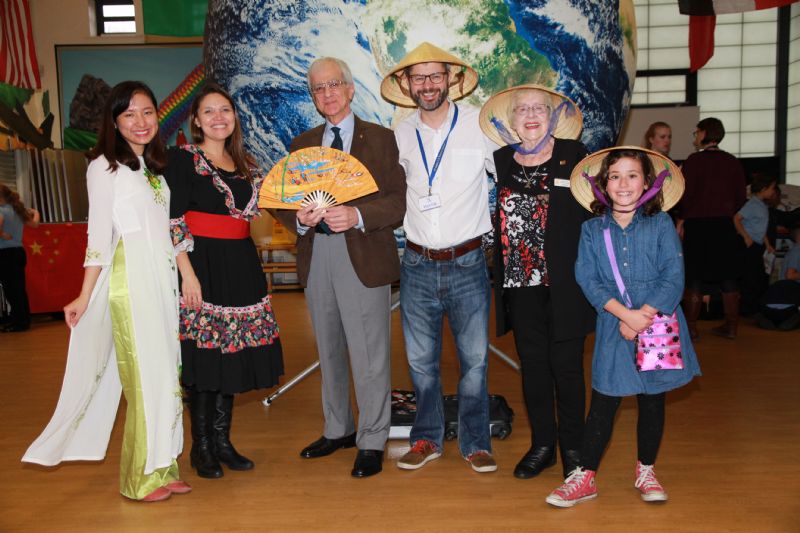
x: 509, y: 139
x: 646, y: 197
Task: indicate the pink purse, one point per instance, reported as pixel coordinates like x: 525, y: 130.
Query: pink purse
x: 659, y: 346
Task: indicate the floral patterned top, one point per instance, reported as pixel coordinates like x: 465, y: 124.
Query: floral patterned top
x: 181, y: 236
x: 523, y: 198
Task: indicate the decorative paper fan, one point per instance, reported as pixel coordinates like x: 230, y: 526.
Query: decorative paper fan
x: 320, y: 175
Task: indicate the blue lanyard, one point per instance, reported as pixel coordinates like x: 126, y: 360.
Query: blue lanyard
x: 432, y: 172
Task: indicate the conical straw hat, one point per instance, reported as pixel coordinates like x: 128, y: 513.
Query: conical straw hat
x: 581, y: 187
x: 395, y: 89
x: 497, y: 108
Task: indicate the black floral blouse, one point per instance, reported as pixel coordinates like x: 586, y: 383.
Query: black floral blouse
x: 523, y: 198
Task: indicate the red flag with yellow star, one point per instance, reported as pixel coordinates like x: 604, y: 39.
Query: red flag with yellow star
x: 54, y: 273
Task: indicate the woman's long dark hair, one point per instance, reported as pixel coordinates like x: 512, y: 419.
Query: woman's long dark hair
x: 234, y: 144
x: 110, y: 142
x: 12, y: 199
x: 652, y: 206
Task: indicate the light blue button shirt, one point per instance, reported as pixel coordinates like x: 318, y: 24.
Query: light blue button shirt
x: 755, y: 217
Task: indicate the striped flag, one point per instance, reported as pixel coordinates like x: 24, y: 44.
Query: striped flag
x: 18, y: 65
x: 703, y: 20
x: 722, y: 7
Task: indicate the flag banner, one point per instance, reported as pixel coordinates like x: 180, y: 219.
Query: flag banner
x: 176, y: 18
x: 722, y: 7
x: 18, y: 65
x: 54, y: 273
x: 701, y: 40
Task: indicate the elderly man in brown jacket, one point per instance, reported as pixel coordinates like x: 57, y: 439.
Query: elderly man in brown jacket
x: 347, y: 260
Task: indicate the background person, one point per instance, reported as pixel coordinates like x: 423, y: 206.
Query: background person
x: 658, y: 138
x: 14, y: 216
x: 128, y: 306
x: 713, y: 251
x: 751, y: 223
x: 537, y: 227
x: 228, y: 331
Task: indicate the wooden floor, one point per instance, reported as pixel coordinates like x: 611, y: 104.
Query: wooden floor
x: 730, y: 457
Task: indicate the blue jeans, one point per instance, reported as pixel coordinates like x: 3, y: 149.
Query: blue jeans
x: 460, y: 289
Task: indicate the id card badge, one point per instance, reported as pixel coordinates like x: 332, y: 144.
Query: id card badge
x: 426, y: 203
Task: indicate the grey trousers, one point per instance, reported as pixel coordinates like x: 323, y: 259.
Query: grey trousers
x: 349, y: 317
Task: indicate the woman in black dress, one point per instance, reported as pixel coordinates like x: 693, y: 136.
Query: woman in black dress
x: 537, y: 228
x: 229, y: 336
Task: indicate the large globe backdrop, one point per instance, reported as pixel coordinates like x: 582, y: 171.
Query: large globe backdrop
x: 261, y: 51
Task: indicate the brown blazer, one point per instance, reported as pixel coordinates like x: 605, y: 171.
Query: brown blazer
x: 373, y: 251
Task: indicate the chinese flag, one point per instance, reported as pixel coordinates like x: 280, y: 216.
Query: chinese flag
x: 54, y: 273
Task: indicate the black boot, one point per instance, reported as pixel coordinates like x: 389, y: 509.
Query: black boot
x: 570, y: 460
x: 534, y: 461
x: 225, y: 451
x: 202, y: 455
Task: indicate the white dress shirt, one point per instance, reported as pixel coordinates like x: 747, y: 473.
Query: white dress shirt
x: 460, y: 182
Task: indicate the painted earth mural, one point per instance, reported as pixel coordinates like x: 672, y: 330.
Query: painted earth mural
x: 261, y: 51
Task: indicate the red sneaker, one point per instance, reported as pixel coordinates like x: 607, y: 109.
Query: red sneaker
x: 649, y: 487
x: 578, y: 487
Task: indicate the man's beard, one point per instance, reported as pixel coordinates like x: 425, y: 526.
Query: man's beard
x: 422, y: 104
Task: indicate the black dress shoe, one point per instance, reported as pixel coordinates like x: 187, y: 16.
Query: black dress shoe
x: 323, y: 446
x: 368, y: 463
x: 536, y: 460
x: 570, y: 460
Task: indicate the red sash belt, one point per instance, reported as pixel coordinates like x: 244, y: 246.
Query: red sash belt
x: 216, y: 226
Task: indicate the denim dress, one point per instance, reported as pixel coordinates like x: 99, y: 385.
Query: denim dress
x: 650, y: 261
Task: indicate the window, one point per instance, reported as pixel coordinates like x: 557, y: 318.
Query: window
x: 115, y: 16
x: 737, y: 85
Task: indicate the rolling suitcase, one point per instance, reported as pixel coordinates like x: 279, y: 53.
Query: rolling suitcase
x: 404, y: 410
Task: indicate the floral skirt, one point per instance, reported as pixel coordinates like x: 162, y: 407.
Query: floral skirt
x: 231, y: 344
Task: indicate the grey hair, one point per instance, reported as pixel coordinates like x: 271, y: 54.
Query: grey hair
x: 346, y: 74
x: 550, y: 100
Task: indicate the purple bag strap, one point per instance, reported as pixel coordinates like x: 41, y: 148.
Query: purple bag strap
x: 614, y: 268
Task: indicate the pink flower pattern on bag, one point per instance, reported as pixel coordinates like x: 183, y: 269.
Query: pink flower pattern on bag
x: 659, y: 346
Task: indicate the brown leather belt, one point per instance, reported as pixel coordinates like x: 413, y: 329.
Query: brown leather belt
x: 445, y: 254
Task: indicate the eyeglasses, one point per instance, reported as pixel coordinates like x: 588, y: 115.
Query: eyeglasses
x: 419, y: 79
x: 332, y: 85
x: 538, y: 109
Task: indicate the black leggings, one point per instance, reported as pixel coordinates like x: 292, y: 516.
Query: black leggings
x: 649, y: 428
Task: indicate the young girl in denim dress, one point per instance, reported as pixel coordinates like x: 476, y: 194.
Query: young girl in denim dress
x: 628, y: 187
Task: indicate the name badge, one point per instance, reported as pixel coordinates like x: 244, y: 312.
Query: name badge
x: 560, y: 182
x: 426, y: 203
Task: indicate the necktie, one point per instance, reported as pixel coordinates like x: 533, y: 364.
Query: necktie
x: 337, y: 140
x: 339, y: 145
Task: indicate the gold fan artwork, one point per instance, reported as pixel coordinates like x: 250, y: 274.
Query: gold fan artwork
x: 320, y: 175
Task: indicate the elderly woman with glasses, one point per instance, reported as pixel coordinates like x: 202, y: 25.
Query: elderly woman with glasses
x: 537, y: 228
